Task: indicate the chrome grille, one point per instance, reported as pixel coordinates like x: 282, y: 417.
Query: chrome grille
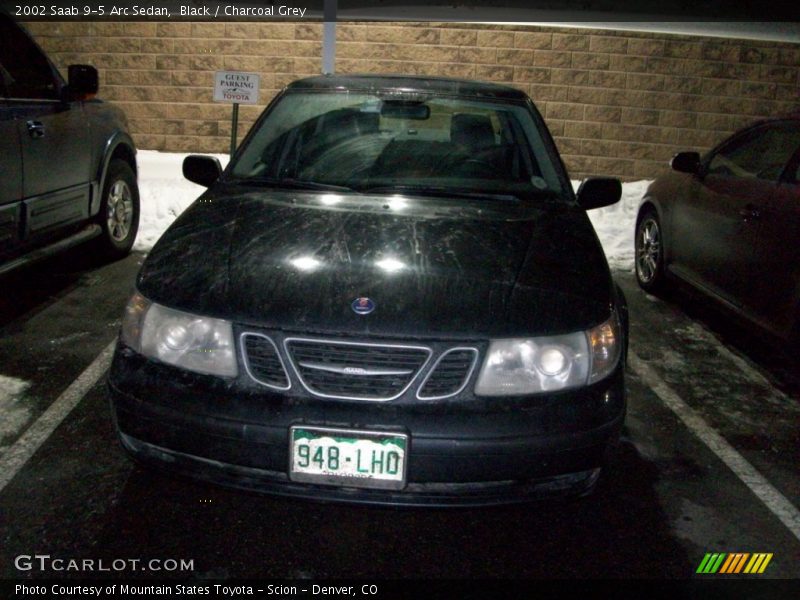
x: 449, y: 375
x: 356, y: 371
x: 263, y: 362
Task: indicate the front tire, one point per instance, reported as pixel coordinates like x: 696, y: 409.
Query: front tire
x: 649, y: 252
x: 119, y: 211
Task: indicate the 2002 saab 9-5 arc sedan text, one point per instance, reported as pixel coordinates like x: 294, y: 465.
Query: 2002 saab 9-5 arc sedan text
x: 390, y: 295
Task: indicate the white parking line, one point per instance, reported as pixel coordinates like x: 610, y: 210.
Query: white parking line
x: 25, y: 447
x: 773, y: 499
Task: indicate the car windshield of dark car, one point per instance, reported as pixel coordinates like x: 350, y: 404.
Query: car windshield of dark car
x: 406, y: 143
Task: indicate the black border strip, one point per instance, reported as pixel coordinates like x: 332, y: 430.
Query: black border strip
x: 474, y: 11
x: 381, y: 589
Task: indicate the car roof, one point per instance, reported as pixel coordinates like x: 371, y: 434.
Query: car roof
x: 788, y: 116
x: 791, y: 117
x: 435, y: 85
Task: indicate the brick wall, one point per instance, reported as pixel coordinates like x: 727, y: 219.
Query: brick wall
x: 618, y: 103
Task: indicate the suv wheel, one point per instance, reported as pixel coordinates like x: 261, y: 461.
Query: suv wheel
x: 119, y: 211
x: 649, y: 247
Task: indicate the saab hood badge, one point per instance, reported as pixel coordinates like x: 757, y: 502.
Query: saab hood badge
x: 362, y: 306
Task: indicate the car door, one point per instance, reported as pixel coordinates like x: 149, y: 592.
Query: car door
x: 52, y: 134
x: 10, y: 174
x: 778, y: 250
x: 717, y: 230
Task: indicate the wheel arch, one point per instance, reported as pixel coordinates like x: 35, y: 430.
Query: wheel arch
x: 118, y: 146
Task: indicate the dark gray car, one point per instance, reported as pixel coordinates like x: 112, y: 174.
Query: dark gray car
x: 729, y: 225
x: 67, y: 161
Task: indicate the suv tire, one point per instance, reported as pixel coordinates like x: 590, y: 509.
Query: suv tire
x: 119, y: 211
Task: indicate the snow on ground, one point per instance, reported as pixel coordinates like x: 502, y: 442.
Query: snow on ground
x: 165, y: 194
x: 15, y: 415
x: 614, y: 224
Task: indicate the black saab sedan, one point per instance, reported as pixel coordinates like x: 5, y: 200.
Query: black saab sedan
x: 390, y: 295
x: 728, y: 224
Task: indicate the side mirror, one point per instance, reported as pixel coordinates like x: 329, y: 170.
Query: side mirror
x: 686, y: 162
x: 597, y: 192
x: 83, y: 82
x: 202, y: 170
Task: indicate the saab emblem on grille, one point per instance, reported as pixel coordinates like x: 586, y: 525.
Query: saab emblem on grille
x: 355, y: 371
x: 362, y: 306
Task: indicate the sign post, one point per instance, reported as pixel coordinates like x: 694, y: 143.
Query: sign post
x: 236, y: 87
x: 234, y: 126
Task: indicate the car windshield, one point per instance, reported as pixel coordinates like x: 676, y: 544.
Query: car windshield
x: 403, y: 142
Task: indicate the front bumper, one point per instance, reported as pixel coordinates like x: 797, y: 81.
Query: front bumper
x: 462, y: 451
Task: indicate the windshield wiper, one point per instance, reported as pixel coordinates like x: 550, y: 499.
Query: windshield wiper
x: 291, y: 184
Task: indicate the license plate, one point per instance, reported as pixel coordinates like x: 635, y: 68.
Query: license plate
x: 366, y: 459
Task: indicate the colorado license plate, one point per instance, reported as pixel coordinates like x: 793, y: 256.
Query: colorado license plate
x: 366, y: 459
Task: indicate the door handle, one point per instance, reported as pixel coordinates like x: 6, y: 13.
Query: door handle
x: 35, y: 129
x: 750, y: 213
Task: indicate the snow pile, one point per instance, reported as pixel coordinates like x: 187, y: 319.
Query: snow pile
x: 165, y: 194
x: 14, y: 408
x: 614, y: 224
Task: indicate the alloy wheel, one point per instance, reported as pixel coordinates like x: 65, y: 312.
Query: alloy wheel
x: 120, y: 210
x: 648, y: 250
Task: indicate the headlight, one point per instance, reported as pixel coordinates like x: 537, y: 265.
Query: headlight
x: 545, y: 364
x: 189, y: 341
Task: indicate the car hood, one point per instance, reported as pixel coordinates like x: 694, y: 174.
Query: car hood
x: 432, y: 267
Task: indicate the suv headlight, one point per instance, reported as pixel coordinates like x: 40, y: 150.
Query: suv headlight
x: 545, y: 364
x: 192, y: 342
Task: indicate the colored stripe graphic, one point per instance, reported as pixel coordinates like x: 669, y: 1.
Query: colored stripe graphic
x: 703, y: 564
x: 727, y: 564
x: 734, y: 563
x: 758, y: 563
x: 740, y: 564
x: 711, y: 563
